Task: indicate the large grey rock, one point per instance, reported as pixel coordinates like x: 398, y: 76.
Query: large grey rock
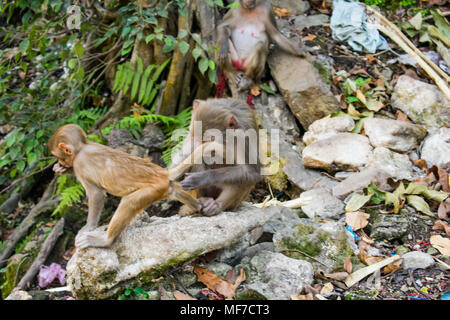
x: 296, y: 6
x: 326, y: 127
x: 277, y: 119
x: 422, y: 102
x: 323, y: 204
x: 397, y: 165
x: 436, y: 149
x: 300, y: 83
x: 148, y: 246
x: 275, y: 115
x: 396, y: 135
x: 276, y: 277
x: 359, y: 180
x: 417, y: 259
x: 342, y: 151
x: 328, y: 243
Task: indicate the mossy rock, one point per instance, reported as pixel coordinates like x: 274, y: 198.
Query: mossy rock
x: 328, y: 243
x: 17, y: 266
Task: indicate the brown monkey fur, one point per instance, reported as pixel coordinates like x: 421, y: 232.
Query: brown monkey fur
x: 243, y: 41
x: 220, y: 187
x: 101, y: 169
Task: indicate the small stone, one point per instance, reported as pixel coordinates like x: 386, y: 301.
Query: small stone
x: 417, y: 259
x: 423, y: 103
x: 389, y: 227
x: 276, y: 277
x: 323, y: 204
x: 332, y: 154
x: 396, y: 165
x: 432, y: 251
x: 396, y: 135
x: 436, y: 149
x: 401, y: 250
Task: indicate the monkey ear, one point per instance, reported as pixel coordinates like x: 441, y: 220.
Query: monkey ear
x: 195, y: 104
x: 64, y: 147
x: 231, y: 123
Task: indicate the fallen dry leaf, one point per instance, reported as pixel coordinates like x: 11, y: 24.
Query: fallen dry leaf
x: 402, y: 117
x: 308, y: 296
x: 441, y: 225
x: 163, y: 293
x: 327, y: 288
x: 241, y: 278
x: 443, y: 210
x: 339, y: 276
x: 313, y: 290
x: 371, y: 58
x: 182, y: 296
x: 357, y: 220
x: 397, y: 265
x: 309, y: 37
x: 320, y: 297
x: 157, y: 279
x: 282, y: 12
x: 421, y: 163
x: 443, y: 179
x: 360, y: 95
x: 348, y: 265
x: 441, y: 243
x: 214, y: 282
x: 231, y: 276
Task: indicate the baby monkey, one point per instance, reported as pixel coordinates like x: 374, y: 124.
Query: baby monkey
x: 101, y: 169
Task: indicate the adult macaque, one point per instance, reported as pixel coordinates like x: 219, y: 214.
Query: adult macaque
x: 101, y: 169
x: 221, y: 186
x: 243, y: 41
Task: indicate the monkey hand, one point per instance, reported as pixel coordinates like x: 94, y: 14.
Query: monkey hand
x: 209, y: 206
x: 57, y: 168
x: 196, y: 180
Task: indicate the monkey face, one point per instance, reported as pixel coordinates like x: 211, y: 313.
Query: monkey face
x: 65, y: 158
x: 248, y: 4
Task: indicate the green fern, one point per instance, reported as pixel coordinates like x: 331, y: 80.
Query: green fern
x: 142, y: 82
x: 70, y: 190
x: 171, y: 146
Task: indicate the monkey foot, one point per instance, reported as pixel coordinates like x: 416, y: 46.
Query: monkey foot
x: 209, y: 206
x: 243, y: 82
x: 91, y: 239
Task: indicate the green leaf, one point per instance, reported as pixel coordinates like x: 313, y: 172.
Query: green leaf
x: 72, y: 63
x: 135, y: 86
x: 378, y: 196
x: 212, y: 76
x: 419, y: 204
x: 184, y: 47
x: 78, y: 49
x: 356, y: 201
x: 266, y: 88
x: 352, y: 99
x: 20, y: 165
x: 10, y: 141
x: 203, y: 65
x: 211, y: 65
x: 149, y: 38
x: 31, y: 158
x: 182, y: 33
x: 23, y: 46
x: 391, y: 198
x: 415, y: 188
x: 197, y: 52
x: 435, y: 195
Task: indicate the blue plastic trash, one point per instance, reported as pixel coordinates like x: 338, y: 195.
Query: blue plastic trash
x: 349, y: 24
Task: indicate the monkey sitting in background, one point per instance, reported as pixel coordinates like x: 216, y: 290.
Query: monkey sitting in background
x: 101, y: 169
x: 220, y: 186
x: 243, y: 42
